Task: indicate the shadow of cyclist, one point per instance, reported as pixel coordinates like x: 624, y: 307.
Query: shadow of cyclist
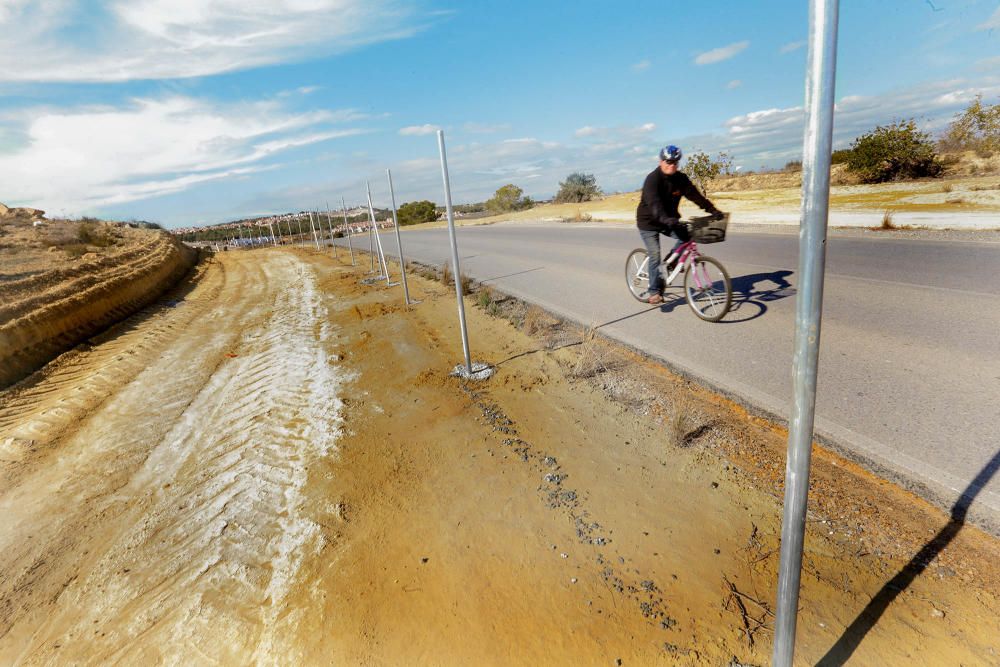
x: 755, y: 291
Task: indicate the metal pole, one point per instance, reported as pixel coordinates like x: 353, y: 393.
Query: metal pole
x: 399, y: 243
x: 350, y: 244
x: 298, y: 220
x: 378, y: 239
x: 371, y: 245
x: 817, y: 146
x: 454, y: 251
x: 329, y: 223
x: 270, y: 226
x: 312, y: 226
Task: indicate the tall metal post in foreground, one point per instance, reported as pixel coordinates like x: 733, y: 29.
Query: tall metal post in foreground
x: 378, y: 240
x: 399, y: 243
x: 350, y: 244
x: 456, y: 272
x: 270, y: 228
x: 817, y: 144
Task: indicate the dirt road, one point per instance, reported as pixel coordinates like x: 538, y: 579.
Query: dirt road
x: 152, y: 486
x: 274, y: 467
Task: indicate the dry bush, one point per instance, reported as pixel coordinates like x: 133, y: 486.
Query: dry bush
x: 537, y: 320
x: 93, y: 233
x: 447, y: 278
x: 60, y: 235
x: 579, y: 216
x: 887, y: 222
x: 75, y: 250
x: 595, y: 358
x: 946, y: 187
x: 679, y: 425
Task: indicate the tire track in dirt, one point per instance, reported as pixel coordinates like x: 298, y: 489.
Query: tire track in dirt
x: 35, y: 414
x: 208, y: 531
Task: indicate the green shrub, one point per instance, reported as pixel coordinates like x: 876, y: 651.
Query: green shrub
x: 509, y: 198
x: 793, y: 165
x: 416, y: 212
x: 578, y: 187
x: 703, y: 169
x: 840, y: 156
x: 975, y: 129
x: 893, y: 152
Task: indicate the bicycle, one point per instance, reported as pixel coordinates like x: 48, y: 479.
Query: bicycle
x: 707, y: 286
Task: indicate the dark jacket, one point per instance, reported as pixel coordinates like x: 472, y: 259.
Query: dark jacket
x: 660, y: 196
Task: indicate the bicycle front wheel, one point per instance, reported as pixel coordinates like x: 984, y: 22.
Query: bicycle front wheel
x: 637, y: 273
x: 708, y: 289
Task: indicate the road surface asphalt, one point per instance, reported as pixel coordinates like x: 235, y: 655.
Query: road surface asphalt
x: 909, y: 376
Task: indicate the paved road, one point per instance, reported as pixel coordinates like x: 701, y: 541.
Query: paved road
x: 910, y: 360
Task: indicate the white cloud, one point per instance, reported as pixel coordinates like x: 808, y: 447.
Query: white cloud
x: 418, y: 130
x: 641, y: 65
x: 647, y: 127
x: 586, y: 131
x: 791, y: 46
x: 771, y: 135
x: 735, y: 83
x: 120, y: 40
x: 992, y: 22
x: 75, y: 161
x: 485, y: 128
x: 989, y: 64
x: 721, y: 53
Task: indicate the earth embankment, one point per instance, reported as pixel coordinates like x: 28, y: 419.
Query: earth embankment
x: 47, y: 312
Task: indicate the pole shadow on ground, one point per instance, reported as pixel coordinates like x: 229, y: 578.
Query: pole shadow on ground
x: 842, y: 651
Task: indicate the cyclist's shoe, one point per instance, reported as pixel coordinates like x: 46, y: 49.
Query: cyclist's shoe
x: 651, y: 296
x: 670, y: 266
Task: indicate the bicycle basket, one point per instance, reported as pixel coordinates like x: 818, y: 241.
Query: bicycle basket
x: 707, y: 230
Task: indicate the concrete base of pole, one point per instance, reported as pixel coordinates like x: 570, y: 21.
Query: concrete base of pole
x: 480, y: 371
x: 372, y: 280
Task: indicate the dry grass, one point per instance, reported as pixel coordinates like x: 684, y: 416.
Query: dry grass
x: 579, y: 216
x: 537, y: 321
x: 595, y: 357
x: 679, y: 424
x: 887, y: 223
x: 448, y: 279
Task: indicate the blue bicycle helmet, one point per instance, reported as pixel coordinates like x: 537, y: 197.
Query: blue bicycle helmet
x: 671, y: 154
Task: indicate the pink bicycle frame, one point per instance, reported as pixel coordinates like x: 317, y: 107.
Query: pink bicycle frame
x: 686, y: 252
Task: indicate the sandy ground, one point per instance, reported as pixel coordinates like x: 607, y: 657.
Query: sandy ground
x: 273, y: 466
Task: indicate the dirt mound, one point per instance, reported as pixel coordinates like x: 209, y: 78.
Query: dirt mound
x: 65, y: 281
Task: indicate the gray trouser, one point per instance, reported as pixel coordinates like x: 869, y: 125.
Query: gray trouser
x: 651, y: 239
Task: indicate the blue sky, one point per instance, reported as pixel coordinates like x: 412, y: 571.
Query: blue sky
x: 188, y: 112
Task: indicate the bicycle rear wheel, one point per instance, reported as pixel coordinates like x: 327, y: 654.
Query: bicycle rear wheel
x: 637, y: 273
x: 708, y: 289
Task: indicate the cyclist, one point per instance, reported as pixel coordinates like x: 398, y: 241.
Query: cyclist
x: 657, y: 213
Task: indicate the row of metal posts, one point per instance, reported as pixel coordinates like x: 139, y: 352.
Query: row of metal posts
x: 817, y: 146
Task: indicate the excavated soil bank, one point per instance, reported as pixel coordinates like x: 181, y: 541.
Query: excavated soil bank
x: 49, y: 309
